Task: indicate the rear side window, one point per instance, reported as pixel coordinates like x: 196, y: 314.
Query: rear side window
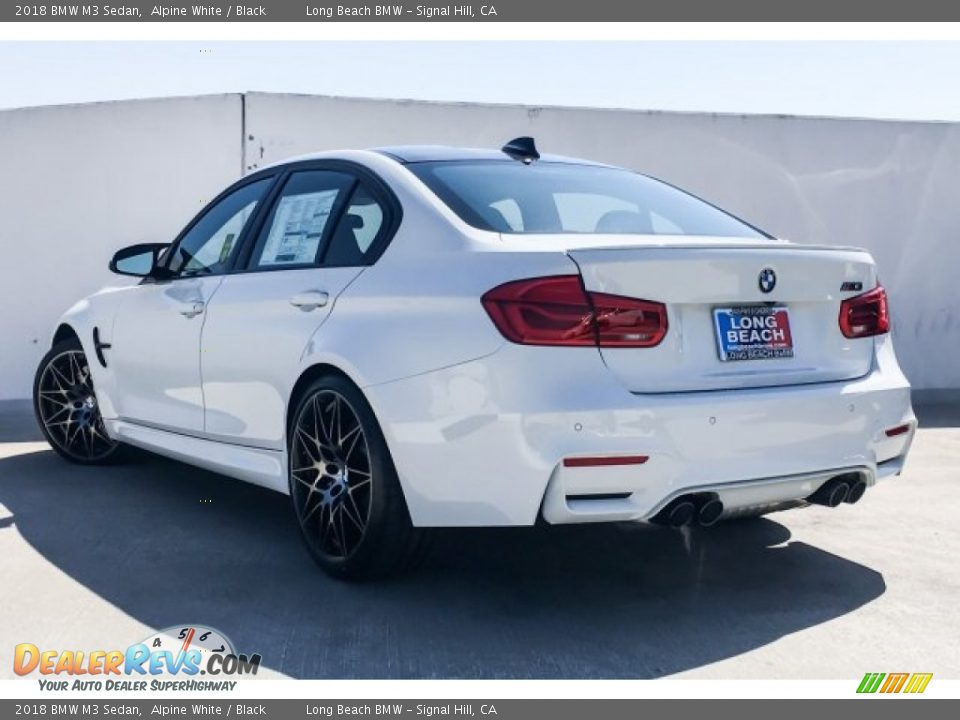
x: 513, y: 198
x: 357, y: 230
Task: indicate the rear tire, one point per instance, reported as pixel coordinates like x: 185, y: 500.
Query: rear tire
x: 66, y: 407
x: 344, y: 488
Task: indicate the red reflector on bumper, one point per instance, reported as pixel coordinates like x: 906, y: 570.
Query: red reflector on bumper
x: 898, y: 430
x: 600, y: 461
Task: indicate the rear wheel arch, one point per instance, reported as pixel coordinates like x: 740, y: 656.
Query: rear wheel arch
x: 306, y: 379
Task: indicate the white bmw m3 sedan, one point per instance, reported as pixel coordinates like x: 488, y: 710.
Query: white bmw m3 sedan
x: 414, y: 337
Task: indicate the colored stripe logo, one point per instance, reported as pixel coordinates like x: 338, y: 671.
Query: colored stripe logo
x: 888, y: 683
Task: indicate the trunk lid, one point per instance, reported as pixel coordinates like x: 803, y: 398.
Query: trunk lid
x: 698, y: 282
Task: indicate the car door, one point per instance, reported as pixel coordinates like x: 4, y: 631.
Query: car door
x: 155, y: 346
x: 317, y: 237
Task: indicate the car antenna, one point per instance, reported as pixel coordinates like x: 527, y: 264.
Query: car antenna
x: 523, y: 149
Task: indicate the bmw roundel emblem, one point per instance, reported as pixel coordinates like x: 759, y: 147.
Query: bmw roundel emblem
x: 767, y: 280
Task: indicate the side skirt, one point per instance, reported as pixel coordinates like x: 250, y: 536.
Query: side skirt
x: 267, y: 468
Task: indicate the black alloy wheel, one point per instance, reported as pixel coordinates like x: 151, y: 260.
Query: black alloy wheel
x: 345, y: 491
x: 66, y: 407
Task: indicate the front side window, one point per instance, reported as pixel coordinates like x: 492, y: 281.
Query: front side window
x: 209, y: 245
x: 513, y: 198
x: 299, y: 221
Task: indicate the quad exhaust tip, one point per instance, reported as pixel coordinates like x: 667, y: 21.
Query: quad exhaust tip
x: 831, y: 494
x: 838, y: 490
x: 706, y: 509
x: 687, y: 509
x: 681, y: 514
x: 710, y: 512
x: 847, y: 488
x: 856, y: 491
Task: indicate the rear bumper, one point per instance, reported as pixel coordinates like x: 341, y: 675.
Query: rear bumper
x: 483, y: 443
x: 768, y: 455
x: 742, y: 497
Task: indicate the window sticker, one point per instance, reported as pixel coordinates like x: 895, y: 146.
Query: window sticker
x: 297, y: 228
x: 227, y: 247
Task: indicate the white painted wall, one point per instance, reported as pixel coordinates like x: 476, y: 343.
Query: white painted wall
x: 78, y: 182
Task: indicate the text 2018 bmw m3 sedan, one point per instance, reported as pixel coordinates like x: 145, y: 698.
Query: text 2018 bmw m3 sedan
x: 430, y: 336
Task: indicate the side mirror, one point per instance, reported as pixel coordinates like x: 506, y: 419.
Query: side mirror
x: 137, y: 260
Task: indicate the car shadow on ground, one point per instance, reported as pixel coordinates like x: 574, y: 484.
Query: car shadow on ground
x: 169, y: 544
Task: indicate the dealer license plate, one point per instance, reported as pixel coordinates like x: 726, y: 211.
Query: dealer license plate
x: 753, y: 332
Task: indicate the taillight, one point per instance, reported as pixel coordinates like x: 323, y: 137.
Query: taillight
x: 865, y: 315
x: 542, y: 311
x: 558, y: 311
x: 626, y: 322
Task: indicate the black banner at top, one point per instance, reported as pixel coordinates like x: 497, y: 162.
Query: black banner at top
x: 487, y: 11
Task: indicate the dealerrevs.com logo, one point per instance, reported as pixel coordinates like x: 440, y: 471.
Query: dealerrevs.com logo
x: 172, y: 659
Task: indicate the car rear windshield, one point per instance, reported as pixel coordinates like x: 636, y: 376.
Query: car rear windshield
x: 551, y: 197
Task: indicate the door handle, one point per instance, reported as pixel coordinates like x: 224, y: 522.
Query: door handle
x: 310, y: 300
x: 191, y: 309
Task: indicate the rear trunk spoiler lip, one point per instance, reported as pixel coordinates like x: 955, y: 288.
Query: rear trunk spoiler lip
x: 734, y: 245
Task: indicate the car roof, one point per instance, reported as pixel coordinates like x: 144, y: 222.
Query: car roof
x: 407, y: 154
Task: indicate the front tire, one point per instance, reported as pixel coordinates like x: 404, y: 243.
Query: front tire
x: 66, y: 407
x: 345, y: 492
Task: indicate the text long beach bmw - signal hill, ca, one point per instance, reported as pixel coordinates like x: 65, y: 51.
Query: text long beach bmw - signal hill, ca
x: 420, y: 11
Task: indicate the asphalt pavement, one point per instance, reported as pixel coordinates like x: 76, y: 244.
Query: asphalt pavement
x: 100, y: 557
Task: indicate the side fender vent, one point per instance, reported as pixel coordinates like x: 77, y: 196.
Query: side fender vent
x: 99, y: 347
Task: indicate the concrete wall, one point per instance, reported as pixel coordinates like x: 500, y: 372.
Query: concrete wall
x: 77, y: 182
